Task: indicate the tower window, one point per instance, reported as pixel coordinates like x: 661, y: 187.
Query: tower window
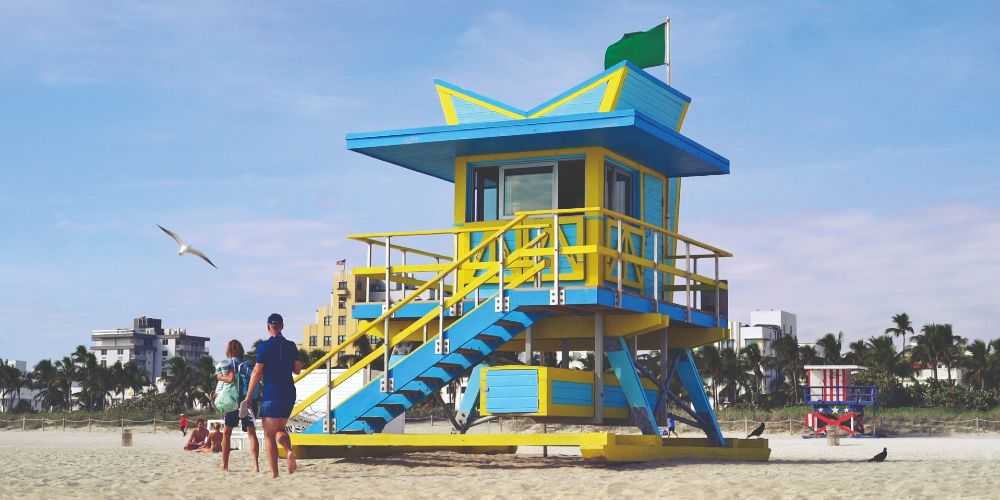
x: 618, y: 190
x: 486, y: 182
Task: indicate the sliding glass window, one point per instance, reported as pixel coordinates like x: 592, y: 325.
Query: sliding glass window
x: 502, y: 191
x: 527, y: 188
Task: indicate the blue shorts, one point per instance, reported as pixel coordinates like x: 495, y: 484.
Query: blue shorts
x: 233, y: 419
x: 276, y: 409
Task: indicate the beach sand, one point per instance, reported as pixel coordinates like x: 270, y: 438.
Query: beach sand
x: 76, y: 464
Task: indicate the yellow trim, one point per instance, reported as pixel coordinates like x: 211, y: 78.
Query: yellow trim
x: 614, y: 90
x: 612, y: 81
x: 689, y: 337
x: 684, y: 112
x: 544, y: 392
x: 616, y: 325
x: 606, y: 80
x: 546, y: 375
x: 600, y: 446
x: 461, y: 185
x: 594, y: 197
x: 478, y: 102
x: 523, y: 155
x: 447, y: 106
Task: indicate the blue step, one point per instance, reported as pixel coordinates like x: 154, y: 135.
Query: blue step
x: 416, y: 386
x: 398, y: 398
x: 480, y: 332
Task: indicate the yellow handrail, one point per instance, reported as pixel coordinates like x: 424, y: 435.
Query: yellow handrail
x: 401, y: 248
x: 666, y: 232
x: 459, y: 295
x: 433, y: 232
x: 427, y: 318
x: 409, y: 298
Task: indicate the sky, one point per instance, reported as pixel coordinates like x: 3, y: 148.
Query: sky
x: 862, y: 138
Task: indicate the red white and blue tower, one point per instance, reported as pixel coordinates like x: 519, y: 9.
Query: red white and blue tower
x: 836, y: 401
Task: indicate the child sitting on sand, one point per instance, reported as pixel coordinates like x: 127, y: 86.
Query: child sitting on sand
x: 214, y: 443
x: 199, y: 436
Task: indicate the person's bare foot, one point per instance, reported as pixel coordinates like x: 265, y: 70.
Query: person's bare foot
x: 292, y: 464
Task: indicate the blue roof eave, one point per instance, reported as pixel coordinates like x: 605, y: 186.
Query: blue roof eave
x: 432, y: 150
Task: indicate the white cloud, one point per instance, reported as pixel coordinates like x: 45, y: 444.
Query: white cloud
x: 851, y: 271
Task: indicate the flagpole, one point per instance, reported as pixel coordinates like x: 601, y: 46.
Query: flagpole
x: 667, y: 42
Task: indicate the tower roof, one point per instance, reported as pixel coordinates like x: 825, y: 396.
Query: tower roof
x: 623, y: 109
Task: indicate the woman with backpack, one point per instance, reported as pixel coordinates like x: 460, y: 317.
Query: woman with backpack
x: 233, y: 379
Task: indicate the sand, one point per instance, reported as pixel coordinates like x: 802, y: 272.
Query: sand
x: 76, y: 464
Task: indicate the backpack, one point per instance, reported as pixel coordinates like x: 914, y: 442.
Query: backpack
x: 226, y: 394
x: 243, y: 372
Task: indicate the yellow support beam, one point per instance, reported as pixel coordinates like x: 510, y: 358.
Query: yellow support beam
x: 599, y: 446
x: 615, y: 325
x: 577, y: 340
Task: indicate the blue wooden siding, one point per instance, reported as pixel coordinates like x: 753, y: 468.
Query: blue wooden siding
x: 512, y: 391
x: 572, y: 393
x: 567, y: 231
x: 672, y: 193
x: 652, y: 213
x: 588, y: 102
x: 650, y: 98
x: 582, y: 394
x: 614, y: 397
x: 468, y: 112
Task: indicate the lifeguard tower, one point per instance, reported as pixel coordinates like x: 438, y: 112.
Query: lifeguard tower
x: 837, y: 403
x: 565, y: 238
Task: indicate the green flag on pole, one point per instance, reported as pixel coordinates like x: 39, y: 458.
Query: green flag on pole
x: 644, y: 48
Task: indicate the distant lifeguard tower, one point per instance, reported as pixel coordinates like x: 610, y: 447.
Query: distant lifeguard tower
x: 837, y: 403
x: 564, y: 238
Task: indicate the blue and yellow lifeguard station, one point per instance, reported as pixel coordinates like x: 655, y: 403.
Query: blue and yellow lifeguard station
x: 565, y: 238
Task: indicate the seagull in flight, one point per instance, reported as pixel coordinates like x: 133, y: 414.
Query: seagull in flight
x: 185, y: 248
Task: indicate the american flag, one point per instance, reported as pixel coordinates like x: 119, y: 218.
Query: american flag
x: 342, y: 262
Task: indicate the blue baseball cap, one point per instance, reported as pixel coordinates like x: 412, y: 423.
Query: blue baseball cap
x: 275, y: 319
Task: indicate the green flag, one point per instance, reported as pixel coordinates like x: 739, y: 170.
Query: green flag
x: 644, y: 48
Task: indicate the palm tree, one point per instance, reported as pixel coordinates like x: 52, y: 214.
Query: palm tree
x: 937, y: 345
x: 902, y: 326
x: 954, y: 350
x: 181, y: 380
x: 11, y: 382
x: 710, y: 364
x: 127, y: 376
x: 66, y: 374
x: 95, y: 380
x: 752, y: 361
x: 882, y: 357
x: 978, y: 364
x: 785, y: 361
x: 858, y: 354
x: 831, y: 345
x: 205, y: 386
x: 733, y: 373
x: 46, y: 381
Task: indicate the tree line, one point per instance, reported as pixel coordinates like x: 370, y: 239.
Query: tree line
x: 79, y: 381
x: 738, y: 376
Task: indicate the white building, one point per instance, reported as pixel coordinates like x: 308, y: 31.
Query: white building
x: 764, y: 328
x: 148, y: 344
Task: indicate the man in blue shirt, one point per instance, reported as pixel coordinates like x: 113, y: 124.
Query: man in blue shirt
x: 277, y: 360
